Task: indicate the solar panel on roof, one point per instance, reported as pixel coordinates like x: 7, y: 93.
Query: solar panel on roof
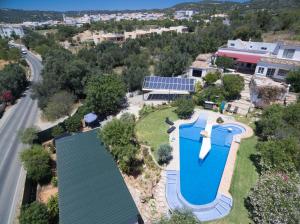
x: 168, y: 83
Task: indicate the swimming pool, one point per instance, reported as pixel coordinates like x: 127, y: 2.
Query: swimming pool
x: 200, y: 179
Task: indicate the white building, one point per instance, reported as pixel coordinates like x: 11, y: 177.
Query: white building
x: 273, y: 60
x: 278, y: 66
x: 7, y: 30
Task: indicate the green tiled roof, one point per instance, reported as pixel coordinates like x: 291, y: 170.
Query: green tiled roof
x: 91, y: 188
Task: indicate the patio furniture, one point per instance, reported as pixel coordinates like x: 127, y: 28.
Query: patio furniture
x: 169, y: 122
x: 171, y: 129
x: 235, y: 110
x: 228, y: 108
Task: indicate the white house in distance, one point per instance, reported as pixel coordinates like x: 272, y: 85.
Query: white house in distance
x: 273, y: 60
x: 6, y: 30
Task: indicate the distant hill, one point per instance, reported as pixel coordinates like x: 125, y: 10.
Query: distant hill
x: 205, y: 6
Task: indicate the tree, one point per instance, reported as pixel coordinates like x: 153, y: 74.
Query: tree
x: 180, y: 217
x: 211, y: 93
x: 36, y: 162
x: 117, y: 132
x: 29, y: 135
x: 134, y: 77
x: 171, y: 62
x: 53, y: 210
x: 271, y: 122
x: 280, y: 154
x: 7, y: 96
x: 293, y: 78
x: 224, y: 62
x: 60, y: 105
x: 274, y: 199
x: 73, y: 124
x: 105, y: 94
x: 57, y: 131
x: 119, y: 137
x: 212, y: 77
x: 184, y: 108
x: 126, y: 157
x: 13, y: 79
x: 164, y: 153
x: 233, y: 85
x: 34, y: 213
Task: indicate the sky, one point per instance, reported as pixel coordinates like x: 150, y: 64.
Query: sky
x: 65, y: 5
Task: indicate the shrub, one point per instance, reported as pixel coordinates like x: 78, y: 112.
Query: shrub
x: 280, y: 155
x: 54, y: 181
x: 36, y: 161
x: 147, y: 109
x: 274, y: 199
x: 185, y: 108
x: 29, y: 135
x: 34, y: 213
x: 73, y: 124
x: 233, y: 85
x: 293, y: 78
x: 58, y: 130
x: 164, y: 153
x: 211, y: 93
x: 212, y: 77
x: 52, y: 207
x: 220, y: 120
x: 180, y: 217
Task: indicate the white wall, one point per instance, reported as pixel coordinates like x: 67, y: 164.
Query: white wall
x: 249, y: 45
x: 296, y: 55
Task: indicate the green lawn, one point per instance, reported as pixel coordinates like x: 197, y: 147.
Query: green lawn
x: 245, y: 176
x: 152, y: 129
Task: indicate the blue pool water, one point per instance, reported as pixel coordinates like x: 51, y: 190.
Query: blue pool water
x: 199, y: 180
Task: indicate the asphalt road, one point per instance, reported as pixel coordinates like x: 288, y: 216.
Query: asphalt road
x: 21, y: 116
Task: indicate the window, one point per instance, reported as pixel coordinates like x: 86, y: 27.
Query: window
x: 288, y: 53
x: 271, y: 72
x: 261, y: 70
x: 282, y: 72
x: 263, y: 48
x: 232, y: 45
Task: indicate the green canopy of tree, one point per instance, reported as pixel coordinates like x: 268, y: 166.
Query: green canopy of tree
x: 224, y: 62
x: 280, y: 155
x: 184, y: 107
x: 134, y: 77
x: 211, y: 93
x: 6, y: 53
x: 36, y: 161
x: 29, y: 135
x: 53, y: 210
x: 105, y: 94
x: 62, y: 71
x: 274, y: 199
x: 293, y: 78
x: 59, y: 105
x: 13, y: 78
x: 211, y: 78
x: 171, y: 62
x: 233, y: 85
x: 119, y: 137
x: 34, y: 213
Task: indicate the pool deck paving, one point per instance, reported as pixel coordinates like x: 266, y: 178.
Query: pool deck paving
x: 223, y: 190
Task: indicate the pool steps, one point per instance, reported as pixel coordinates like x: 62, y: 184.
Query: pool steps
x: 217, y: 209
